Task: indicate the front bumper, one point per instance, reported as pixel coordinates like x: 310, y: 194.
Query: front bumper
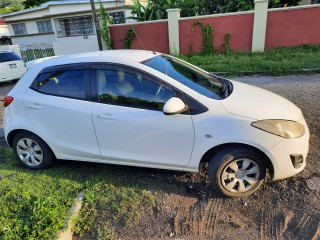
x: 279, y: 155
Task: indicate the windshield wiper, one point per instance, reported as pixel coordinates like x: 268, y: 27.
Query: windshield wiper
x: 226, y: 85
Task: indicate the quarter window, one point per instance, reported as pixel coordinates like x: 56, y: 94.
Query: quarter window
x: 19, y: 28
x: 44, y: 26
x: 64, y: 83
x: 118, y: 86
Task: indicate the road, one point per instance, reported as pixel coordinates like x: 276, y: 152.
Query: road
x: 286, y: 209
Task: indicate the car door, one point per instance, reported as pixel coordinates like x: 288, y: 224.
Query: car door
x: 58, y: 105
x: 130, y: 125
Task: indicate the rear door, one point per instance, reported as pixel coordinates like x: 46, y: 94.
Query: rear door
x: 58, y: 105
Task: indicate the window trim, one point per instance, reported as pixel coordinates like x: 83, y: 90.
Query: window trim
x: 69, y: 67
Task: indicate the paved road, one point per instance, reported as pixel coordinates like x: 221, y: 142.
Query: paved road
x: 6, y: 87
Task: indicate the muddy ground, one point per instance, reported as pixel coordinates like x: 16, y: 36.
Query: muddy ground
x: 188, y: 208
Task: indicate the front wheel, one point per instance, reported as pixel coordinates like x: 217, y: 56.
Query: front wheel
x: 237, y: 172
x: 31, y: 151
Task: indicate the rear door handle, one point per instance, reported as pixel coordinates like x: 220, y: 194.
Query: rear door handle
x: 35, y: 107
x: 107, y: 116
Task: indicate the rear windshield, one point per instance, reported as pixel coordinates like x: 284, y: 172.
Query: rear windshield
x: 8, y: 56
x: 194, y: 78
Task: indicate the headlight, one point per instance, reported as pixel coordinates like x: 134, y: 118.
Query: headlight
x: 282, y: 128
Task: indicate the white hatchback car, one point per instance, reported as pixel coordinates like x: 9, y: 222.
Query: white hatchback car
x: 11, y: 66
x: 148, y: 109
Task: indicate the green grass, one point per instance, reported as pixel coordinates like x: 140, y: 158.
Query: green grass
x: 34, y: 204
x: 279, y: 61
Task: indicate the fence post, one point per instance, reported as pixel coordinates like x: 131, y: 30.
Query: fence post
x: 259, y: 25
x: 173, y: 30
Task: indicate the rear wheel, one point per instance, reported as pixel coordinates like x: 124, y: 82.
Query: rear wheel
x: 31, y: 151
x: 237, y: 172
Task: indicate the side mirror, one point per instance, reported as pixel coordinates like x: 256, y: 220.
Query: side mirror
x: 174, y: 106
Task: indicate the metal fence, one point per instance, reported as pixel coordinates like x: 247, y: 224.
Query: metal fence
x: 35, y: 51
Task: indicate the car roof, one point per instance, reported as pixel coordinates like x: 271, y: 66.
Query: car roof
x: 131, y: 55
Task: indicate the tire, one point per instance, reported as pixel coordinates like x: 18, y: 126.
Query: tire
x: 237, y: 172
x: 31, y: 151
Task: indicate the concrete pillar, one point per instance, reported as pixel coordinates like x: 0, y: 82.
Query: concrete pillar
x: 173, y: 29
x: 259, y: 25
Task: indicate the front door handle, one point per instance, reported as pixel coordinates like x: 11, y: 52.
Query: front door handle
x: 107, y: 116
x: 35, y: 107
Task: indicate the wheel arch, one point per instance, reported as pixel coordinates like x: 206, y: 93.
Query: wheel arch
x: 212, y: 151
x: 13, y: 133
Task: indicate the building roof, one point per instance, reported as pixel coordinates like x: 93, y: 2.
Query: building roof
x: 57, y: 2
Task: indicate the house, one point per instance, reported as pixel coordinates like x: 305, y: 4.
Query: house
x: 67, y: 25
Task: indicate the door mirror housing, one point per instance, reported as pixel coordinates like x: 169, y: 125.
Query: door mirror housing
x: 174, y: 106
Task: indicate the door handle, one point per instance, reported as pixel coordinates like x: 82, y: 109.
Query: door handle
x: 35, y: 107
x: 107, y: 116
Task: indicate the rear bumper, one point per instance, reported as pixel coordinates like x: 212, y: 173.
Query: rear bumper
x: 280, y: 155
x: 17, y: 74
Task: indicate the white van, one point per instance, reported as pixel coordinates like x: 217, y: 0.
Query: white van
x: 11, y: 66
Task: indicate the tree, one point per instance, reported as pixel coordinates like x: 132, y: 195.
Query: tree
x: 106, y: 21
x: 154, y: 10
x: 33, y: 3
x: 8, y: 6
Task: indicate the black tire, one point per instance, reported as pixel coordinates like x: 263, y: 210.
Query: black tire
x: 34, y: 148
x: 230, y: 183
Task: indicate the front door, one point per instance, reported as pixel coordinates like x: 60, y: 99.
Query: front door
x: 130, y: 125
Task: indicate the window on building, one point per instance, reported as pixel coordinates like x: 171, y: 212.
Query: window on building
x: 118, y: 17
x: 44, y: 26
x: 19, y: 28
x: 74, y: 26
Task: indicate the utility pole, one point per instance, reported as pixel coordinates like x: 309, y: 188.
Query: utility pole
x: 96, y: 24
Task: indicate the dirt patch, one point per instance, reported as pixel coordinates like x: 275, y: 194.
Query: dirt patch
x: 280, y: 210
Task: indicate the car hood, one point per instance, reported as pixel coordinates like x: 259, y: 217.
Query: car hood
x: 256, y: 103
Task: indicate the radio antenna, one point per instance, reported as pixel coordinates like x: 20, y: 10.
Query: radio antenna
x: 138, y: 38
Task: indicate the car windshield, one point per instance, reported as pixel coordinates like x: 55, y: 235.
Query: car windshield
x: 194, y: 78
x: 8, y: 56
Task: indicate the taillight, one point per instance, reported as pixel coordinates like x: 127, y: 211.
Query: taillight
x: 7, y: 101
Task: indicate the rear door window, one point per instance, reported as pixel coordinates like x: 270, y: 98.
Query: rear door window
x: 63, y: 83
